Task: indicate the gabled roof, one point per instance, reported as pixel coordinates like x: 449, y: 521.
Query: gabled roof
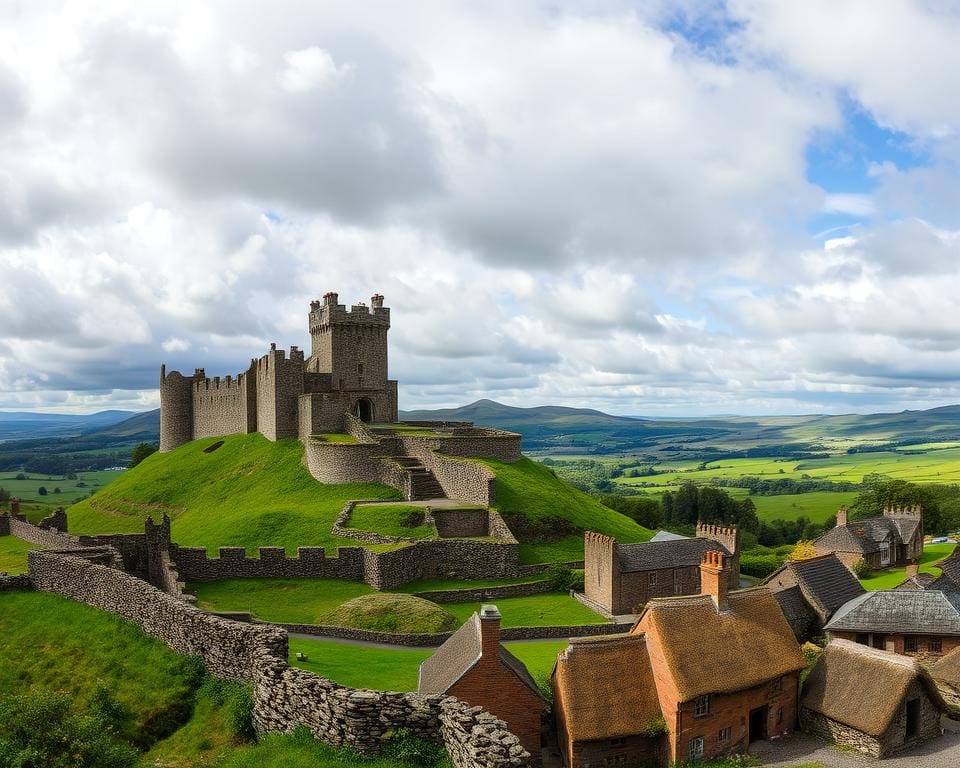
x: 920, y: 581
x: 947, y: 669
x: 667, y: 536
x: 825, y: 581
x: 706, y: 651
x: 861, y: 536
x: 798, y: 613
x: 677, y: 553
x: 950, y: 567
x: 862, y: 687
x: 923, y: 611
x: 605, y: 687
x: 458, y: 655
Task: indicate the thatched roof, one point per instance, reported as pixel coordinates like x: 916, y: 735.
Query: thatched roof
x: 862, y: 687
x: 947, y: 669
x: 605, y: 687
x: 707, y: 651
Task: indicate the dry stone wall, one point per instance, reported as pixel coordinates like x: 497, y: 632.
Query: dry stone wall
x: 19, y: 527
x: 193, y: 563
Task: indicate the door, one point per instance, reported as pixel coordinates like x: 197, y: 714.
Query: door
x: 913, y: 719
x: 758, y: 724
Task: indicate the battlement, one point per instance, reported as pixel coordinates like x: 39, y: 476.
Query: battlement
x: 329, y: 312
x: 727, y: 536
x: 903, y: 511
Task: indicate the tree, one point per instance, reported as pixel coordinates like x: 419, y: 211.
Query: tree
x: 57, y: 489
x: 141, y: 452
x: 803, y: 550
x: 42, y: 490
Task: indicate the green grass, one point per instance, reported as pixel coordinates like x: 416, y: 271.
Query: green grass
x: 430, y: 585
x: 389, y: 669
x: 531, y: 489
x: 392, y: 613
x: 71, y: 491
x: 387, y: 519
x: 249, y: 493
x: 339, y: 438
x: 288, y: 601
x: 49, y: 642
x: 817, y: 506
x: 888, y: 579
x: 552, y: 608
x: 13, y: 554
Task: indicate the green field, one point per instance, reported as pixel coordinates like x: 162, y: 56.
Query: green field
x: 396, y: 669
x: 249, y: 493
x: 890, y: 578
x: 13, y: 554
x: 388, y: 519
x: 71, y: 491
x: 817, y: 506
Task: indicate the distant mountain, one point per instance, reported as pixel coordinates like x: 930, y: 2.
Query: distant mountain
x: 23, y: 425
x: 492, y: 413
x: 145, y: 426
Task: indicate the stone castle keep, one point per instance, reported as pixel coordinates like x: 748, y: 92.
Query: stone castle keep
x: 293, y: 396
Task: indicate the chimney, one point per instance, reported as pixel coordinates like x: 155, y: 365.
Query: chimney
x: 715, y: 578
x: 489, y: 633
x: 330, y: 298
x: 841, y: 517
x: 376, y: 301
x: 913, y: 570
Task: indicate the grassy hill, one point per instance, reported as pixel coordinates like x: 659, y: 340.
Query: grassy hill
x: 250, y: 492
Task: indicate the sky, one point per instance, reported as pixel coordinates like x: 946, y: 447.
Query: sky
x: 652, y: 208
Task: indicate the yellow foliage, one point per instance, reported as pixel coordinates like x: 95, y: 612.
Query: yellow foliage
x: 804, y: 550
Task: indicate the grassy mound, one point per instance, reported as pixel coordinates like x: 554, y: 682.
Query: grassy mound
x: 249, y: 493
x: 529, y: 491
x: 49, y: 643
x: 391, y: 613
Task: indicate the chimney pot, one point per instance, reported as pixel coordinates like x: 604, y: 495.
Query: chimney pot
x: 841, y: 517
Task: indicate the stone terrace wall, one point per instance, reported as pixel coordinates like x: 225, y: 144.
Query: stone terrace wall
x: 283, y: 696
x: 19, y: 527
x: 193, y: 563
x: 449, y: 558
x: 354, y: 463
x: 229, y: 649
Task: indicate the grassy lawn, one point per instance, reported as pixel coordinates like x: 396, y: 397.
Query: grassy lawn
x: 932, y: 554
x: 816, y: 506
x: 13, y: 554
x: 552, y: 608
x: 289, y: 601
x: 396, y: 669
x: 388, y: 519
x: 250, y: 492
x: 532, y: 489
x: 49, y: 642
x: 71, y: 491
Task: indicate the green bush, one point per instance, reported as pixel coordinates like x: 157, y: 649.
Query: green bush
x: 407, y: 749
x: 861, y: 569
x: 563, y: 578
x: 759, y: 566
x: 141, y: 452
x: 236, y: 700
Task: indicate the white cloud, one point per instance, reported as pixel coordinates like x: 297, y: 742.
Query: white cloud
x: 308, y: 69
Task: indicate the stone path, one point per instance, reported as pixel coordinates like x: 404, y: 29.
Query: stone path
x: 801, y: 749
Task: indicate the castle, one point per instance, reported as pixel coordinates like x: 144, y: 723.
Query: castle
x: 293, y: 396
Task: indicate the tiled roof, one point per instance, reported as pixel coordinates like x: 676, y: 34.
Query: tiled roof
x: 920, y: 581
x: 654, y: 555
x: 862, y: 687
x: 826, y: 582
x: 800, y: 616
x: 862, y: 536
x: 706, y: 651
x: 605, y: 687
x: 457, y: 656
x: 925, y: 611
x: 951, y: 567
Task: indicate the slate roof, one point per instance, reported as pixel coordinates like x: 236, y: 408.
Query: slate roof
x: 861, y: 536
x: 826, y: 582
x: 799, y: 615
x: 706, y: 651
x: 654, y: 555
x: 458, y: 655
x: 907, y: 611
x: 862, y: 687
x: 605, y: 687
x: 920, y: 581
x: 951, y: 567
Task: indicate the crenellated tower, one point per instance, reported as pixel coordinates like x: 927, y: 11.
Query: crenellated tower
x: 350, y: 345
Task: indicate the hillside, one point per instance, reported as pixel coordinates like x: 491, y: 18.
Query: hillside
x: 248, y: 493
x: 19, y: 424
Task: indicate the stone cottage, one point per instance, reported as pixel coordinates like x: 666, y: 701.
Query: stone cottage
x: 913, y: 622
x: 473, y: 666
x: 606, y: 704
x: 810, y: 591
x: 870, y: 700
x: 896, y: 538
x: 620, y: 578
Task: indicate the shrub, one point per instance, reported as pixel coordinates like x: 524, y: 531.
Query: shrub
x: 413, y: 519
x: 656, y: 726
x: 803, y: 550
x: 42, y: 490
x: 410, y: 750
x: 21, y: 476
x: 759, y: 566
x: 861, y: 569
x: 141, y: 452
x: 563, y: 578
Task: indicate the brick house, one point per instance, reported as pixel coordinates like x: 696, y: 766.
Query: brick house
x: 726, y: 665
x: 870, y: 700
x: 913, y: 622
x: 606, y: 704
x: 620, y: 578
x: 473, y: 666
x: 896, y: 538
x: 810, y: 592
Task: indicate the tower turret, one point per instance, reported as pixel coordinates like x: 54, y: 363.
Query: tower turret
x: 176, y: 408
x: 350, y: 345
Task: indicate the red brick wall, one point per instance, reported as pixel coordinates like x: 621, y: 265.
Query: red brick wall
x: 633, y: 752
x: 896, y: 643
x: 497, y: 689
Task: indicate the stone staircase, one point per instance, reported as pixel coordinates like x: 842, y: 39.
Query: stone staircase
x: 423, y: 485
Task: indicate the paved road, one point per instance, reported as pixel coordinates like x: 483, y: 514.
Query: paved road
x: 801, y: 749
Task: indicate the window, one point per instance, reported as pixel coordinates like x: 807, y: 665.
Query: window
x: 910, y: 644
x: 724, y: 734
x: 934, y: 645
x: 652, y: 579
x: 778, y: 684
x: 677, y: 583
x: 885, y: 556
x: 695, y: 749
x: 863, y: 638
x: 360, y: 369
x: 701, y: 705
x: 617, y: 742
